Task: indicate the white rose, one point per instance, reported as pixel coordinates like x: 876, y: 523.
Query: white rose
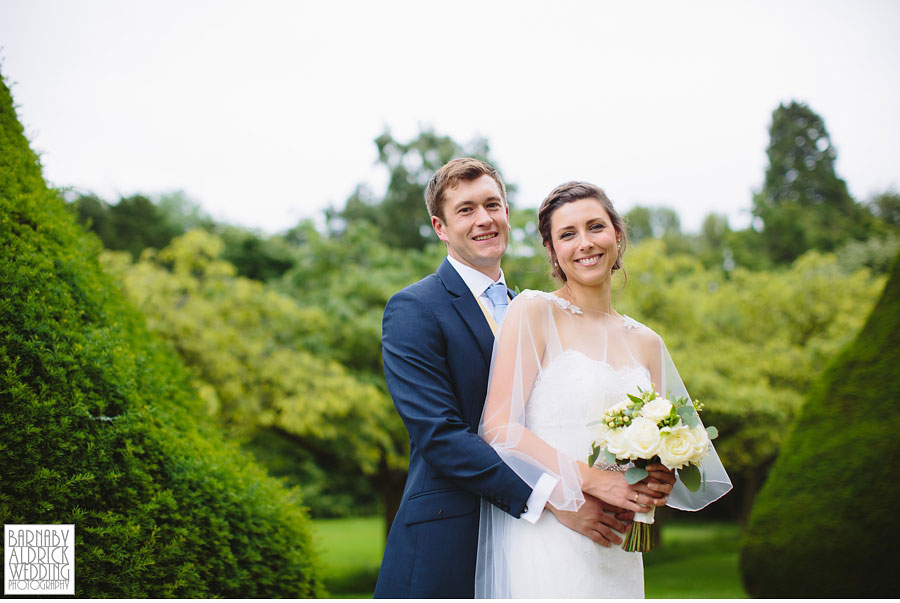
x: 701, y: 443
x: 657, y: 410
x: 602, y: 432
x: 676, y: 447
x: 642, y: 437
x: 615, y: 442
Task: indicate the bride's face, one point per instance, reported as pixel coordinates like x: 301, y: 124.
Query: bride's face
x: 585, y: 241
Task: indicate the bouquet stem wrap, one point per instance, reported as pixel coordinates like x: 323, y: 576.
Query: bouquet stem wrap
x: 641, y: 535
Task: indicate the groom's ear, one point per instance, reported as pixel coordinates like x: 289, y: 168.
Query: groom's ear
x: 439, y: 228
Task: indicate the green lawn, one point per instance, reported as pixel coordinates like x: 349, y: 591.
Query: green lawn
x: 695, y: 559
x: 351, y: 554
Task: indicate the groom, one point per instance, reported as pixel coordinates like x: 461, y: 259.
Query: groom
x: 437, y: 336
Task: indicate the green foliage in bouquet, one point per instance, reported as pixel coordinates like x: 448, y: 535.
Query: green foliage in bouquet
x: 100, y: 426
x: 824, y: 525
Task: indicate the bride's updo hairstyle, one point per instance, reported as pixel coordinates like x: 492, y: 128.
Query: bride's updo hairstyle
x: 567, y: 193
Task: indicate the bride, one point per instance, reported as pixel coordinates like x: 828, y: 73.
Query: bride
x: 560, y: 360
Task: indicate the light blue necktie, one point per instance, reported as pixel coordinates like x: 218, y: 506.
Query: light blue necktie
x: 499, y: 297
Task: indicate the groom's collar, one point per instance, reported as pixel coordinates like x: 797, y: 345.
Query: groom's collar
x: 468, y: 308
x: 477, y: 282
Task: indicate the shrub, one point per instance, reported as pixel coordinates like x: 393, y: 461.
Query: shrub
x: 102, y: 429
x: 824, y: 523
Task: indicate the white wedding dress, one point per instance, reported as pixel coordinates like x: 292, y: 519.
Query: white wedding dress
x: 556, y: 369
x: 548, y: 559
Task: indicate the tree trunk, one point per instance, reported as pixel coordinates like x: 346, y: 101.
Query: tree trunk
x: 751, y: 486
x: 392, y: 483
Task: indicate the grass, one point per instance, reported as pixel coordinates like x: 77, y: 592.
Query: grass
x: 696, y: 559
x: 351, y: 552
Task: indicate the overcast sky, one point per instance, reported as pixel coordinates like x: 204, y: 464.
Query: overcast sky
x: 264, y: 112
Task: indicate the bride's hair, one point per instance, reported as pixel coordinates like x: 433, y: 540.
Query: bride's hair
x: 575, y: 191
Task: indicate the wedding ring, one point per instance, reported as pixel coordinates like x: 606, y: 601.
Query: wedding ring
x: 636, y: 495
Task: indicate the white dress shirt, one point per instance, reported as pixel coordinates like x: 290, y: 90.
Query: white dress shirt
x: 476, y: 281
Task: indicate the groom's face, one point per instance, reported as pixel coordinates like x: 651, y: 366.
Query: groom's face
x: 475, y: 225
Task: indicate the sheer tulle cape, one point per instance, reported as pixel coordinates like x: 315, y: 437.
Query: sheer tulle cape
x: 538, y: 329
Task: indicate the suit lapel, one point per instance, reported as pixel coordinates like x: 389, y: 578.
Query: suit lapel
x: 467, y: 307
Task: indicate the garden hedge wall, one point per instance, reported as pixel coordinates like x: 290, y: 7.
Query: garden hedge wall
x: 100, y: 428
x: 826, y: 522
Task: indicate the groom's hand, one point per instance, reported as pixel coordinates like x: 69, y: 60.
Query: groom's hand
x: 661, y: 480
x: 593, y: 520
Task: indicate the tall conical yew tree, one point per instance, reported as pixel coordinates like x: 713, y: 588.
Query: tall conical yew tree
x: 825, y: 524
x: 803, y: 203
x: 100, y: 428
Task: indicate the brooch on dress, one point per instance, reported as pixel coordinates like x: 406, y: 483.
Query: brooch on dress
x: 630, y: 323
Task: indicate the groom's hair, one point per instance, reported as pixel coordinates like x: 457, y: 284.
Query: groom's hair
x: 449, y: 176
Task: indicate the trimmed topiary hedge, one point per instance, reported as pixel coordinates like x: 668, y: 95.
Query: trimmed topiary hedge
x: 826, y: 522
x: 99, y: 426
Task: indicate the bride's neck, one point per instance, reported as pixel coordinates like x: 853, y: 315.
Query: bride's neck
x: 595, y: 298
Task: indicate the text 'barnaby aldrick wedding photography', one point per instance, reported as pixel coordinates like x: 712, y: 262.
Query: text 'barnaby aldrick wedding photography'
x: 39, y: 559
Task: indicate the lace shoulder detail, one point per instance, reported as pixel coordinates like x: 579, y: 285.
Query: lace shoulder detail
x: 564, y: 304
x: 630, y: 323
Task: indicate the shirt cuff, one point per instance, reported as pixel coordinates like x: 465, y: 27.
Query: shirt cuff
x: 539, y: 497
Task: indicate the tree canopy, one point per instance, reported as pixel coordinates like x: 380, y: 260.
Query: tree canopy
x: 803, y: 203
x: 400, y: 214
x: 130, y: 225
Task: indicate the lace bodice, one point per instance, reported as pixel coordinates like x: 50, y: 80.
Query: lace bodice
x: 573, y: 391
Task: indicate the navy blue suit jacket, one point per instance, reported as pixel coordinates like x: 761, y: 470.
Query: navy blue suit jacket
x: 436, y: 345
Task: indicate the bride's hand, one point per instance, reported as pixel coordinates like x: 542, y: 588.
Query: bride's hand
x: 611, y: 487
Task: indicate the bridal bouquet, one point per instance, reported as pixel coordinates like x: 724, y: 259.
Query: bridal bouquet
x: 649, y: 429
